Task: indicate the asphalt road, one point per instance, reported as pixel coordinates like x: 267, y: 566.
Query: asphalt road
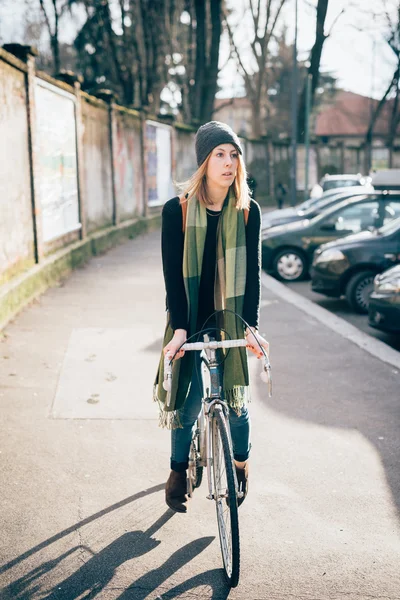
x: 340, y: 307
x: 83, y: 462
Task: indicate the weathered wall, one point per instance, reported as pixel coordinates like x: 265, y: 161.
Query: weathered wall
x: 97, y: 166
x: 16, y: 226
x: 128, y: 166
x: 185, y: 155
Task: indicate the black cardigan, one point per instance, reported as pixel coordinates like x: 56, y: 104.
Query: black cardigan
x: 172, y: 256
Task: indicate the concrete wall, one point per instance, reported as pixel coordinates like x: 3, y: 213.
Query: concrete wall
x: 16, y: 223
x: 185, y: 155
x: 97, y: 169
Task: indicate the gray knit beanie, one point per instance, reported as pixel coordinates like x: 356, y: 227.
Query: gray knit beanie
x: 211, y: 135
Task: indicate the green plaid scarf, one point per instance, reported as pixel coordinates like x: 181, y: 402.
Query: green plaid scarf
x: 230, y: 282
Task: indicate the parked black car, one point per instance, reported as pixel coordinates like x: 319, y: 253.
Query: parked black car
x: 287, y: 250
x: 384, y: 302
x: 348, y: 266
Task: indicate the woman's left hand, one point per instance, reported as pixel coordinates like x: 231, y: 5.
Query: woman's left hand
x: 252, y: 337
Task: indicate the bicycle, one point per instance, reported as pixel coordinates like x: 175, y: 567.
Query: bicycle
x: 211, y: 447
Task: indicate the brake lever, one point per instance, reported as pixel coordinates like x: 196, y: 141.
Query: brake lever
x: 266, y: 374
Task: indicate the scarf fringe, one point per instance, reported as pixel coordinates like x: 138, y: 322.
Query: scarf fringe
x: 167, y: 419
x: 237, y: 398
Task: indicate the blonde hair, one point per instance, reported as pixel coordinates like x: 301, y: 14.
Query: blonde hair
x: 197, y: 185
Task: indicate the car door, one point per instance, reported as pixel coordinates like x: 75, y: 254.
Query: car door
x: 344, y: 221
x: 390, y: 249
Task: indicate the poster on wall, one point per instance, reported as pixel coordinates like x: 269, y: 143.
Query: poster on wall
x: 56, y: 160
x: 124, y: 158
x: 159, y: 164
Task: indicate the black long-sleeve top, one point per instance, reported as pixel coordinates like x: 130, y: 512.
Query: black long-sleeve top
x: 172, y: 238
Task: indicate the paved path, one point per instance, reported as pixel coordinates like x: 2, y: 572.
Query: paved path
x: 83, y: 462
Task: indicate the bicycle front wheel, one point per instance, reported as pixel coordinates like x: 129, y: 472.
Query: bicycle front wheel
x: 195, y: 470
x: 225, y: 497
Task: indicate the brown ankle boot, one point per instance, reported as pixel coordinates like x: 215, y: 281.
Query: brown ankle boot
x: 242, y: 475
x: 175, y: 492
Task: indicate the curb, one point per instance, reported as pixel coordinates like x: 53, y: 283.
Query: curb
x: 19, y: 292
x: 371, y: 345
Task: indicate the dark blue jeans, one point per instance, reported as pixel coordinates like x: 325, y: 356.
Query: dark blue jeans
x: 181, y: 437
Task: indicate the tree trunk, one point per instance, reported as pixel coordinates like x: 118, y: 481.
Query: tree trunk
x: 210, y: 81
x: 375, y: 115
x: 55, y: 44
x: 200, y: 60
x: 315, y: 60
x: 394, y: 120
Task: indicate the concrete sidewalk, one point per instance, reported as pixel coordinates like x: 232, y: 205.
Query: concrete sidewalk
x: 83, y: 462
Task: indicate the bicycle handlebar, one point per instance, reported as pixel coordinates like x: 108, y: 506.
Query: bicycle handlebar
x: 214, y: 345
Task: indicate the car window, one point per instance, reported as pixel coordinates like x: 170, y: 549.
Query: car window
x: 390, y: 227
x: 335, y: 183
x: 392, y: 210
x: 356, y: 218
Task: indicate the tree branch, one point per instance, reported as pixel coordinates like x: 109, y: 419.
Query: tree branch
x: 42, y: 6
x: 335, y: 21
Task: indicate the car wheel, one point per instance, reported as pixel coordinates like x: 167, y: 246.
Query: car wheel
x: 290, y: 265
x: 359, y: 289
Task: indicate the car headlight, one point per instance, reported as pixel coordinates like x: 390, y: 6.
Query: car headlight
x: 328, y: 256
x: 388, y: 287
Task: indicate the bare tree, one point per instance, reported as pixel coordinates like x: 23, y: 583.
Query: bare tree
x: 52, y: 18
x: 145, y: 47
x: 126, y: 52
x: 264, y: 24
x: 195, y: 61
x: 315, y: 61
x: 392, y: 37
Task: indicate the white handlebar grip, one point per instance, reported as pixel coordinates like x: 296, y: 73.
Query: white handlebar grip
x: 167, y: 384
x: 264, y: 376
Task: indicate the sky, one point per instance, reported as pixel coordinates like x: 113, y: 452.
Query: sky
x: 355, y: 51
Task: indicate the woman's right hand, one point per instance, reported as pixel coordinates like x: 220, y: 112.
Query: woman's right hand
x: 177, y: 341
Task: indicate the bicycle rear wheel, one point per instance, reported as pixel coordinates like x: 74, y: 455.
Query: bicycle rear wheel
x: 225, y: 497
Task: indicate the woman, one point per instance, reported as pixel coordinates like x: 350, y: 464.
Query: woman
x: 211, y: 260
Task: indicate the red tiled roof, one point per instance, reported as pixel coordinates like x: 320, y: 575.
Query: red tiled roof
x: 350, y: 115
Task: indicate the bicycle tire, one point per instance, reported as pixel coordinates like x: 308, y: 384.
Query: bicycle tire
x: 225, y: 498
x: 194, y: 459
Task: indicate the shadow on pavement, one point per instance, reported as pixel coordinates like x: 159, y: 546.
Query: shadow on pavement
x: 97, y: 572
x: 65, y: 532
x: 142, y: 587
x: 212, y: 579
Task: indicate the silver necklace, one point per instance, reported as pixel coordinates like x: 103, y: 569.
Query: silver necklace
x: 213, y: 213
